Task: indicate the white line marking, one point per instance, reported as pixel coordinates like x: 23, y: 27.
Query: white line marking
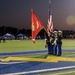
x: 63, y: 73
x: 11, y: 62
x: 43, y: 70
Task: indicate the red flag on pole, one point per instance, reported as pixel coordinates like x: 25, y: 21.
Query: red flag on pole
x: 50, y: 22
x: 36, y: 26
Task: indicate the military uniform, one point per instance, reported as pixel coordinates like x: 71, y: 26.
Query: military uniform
x: 55, y: 43
x: 48, y: 44
x: 59, y: 43
x: 52, y: 43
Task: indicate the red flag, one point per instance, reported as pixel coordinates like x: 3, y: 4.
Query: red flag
x: 50, y: 22
x: 36, y: 26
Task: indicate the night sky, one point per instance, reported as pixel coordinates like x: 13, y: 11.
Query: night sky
x: 17, y: 13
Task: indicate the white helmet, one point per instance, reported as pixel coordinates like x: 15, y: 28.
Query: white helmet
x: 60, y: 31
x: 55, y: 32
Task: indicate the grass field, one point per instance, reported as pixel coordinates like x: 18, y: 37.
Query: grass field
x: 21, y: 45
x: 25, y: 45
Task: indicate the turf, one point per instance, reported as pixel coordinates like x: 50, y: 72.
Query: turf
x: 68, y: 44
x: 25, y: 45
x: 21, y: 45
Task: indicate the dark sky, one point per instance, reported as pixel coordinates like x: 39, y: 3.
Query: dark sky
x: 17, y: 13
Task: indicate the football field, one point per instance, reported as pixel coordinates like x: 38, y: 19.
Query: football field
x: 25, y: 45
x: 21, y: 57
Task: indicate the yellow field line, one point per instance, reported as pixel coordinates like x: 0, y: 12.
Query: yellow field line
x: 48, y: 59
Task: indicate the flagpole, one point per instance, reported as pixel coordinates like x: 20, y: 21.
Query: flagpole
x: 45, y: 30
x: 50, y: 22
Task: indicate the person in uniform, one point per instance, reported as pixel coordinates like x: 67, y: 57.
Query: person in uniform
x: 48, y: 43
x: 59, y: 43
x: 55, y: 43
x: 52, y: 42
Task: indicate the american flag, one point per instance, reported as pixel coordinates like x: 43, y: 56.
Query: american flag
x: 50, y: 22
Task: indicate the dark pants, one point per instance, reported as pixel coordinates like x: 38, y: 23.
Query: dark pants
x: 59, y: 49
x: 55, y: 50
x: 50, y: 48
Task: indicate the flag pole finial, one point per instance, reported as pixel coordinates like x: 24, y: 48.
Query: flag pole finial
x: 31, y: 9
x: 49, y: 1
